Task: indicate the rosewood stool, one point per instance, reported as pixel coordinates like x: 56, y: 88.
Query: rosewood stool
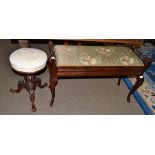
x: 28, y: 61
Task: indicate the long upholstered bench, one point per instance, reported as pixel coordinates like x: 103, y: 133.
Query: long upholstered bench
x: 96, y: 61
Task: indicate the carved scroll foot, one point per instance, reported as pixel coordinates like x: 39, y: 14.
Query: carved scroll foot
x: 21, y: 85
x: 38, y: 82
x: 138, y: 83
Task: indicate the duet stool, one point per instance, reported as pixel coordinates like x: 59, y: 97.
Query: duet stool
x: 28, y: 62
x: 97, y: 61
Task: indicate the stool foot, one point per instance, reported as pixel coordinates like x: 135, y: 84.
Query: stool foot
x: 20, y: 86
x: 38, y: 82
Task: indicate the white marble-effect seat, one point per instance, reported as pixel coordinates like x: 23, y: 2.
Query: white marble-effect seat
x: 28, y: 60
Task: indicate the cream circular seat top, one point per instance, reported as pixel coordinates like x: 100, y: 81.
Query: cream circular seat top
x: 28, y: 60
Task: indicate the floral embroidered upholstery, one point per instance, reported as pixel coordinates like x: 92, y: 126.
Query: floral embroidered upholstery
x: 70, y: 55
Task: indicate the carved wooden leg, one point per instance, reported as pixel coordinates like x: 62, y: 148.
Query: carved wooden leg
x: 21, y: 85
x: 53, y: 82
x: 30, y: 82
x: 38, y: 82
x: 139, y: 82
x: 52, y: 88
x: 119, y: 81
x: 32, y: 98
x: 53, y: 70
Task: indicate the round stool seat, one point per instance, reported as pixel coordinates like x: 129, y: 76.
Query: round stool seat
x: 28, y: 60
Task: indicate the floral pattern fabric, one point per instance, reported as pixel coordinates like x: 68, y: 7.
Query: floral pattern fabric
x: 70, y: 55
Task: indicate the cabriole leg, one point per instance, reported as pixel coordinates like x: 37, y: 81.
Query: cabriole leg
x: 138, y: 83
x: 52, y: 88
